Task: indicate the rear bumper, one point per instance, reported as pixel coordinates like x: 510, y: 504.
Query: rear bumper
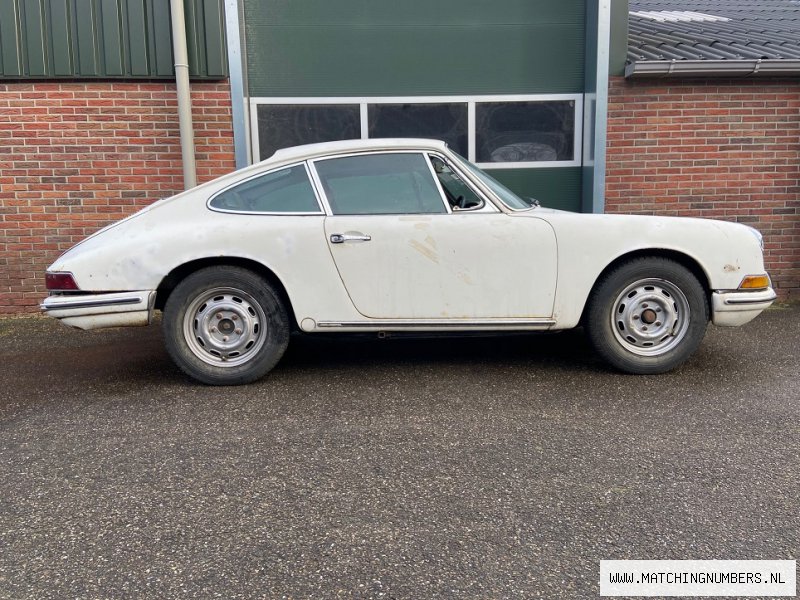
x: 734, y: 308
x: 95, y: 311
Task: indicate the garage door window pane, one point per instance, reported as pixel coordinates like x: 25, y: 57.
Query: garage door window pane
x: 446, y: 122
x: 284, y: 191
x: 380, y: 184
x: 283, y: 126
x: 525, y: 131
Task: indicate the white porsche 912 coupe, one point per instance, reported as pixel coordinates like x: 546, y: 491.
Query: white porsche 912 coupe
x: 400, y: 235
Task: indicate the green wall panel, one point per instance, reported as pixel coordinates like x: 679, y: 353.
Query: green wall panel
x: 416, y: 47
x: 59, y: 19
x: 33, y: 28
x: 554, y: 188
x: 129, y: 39
x: 138, y: 43
x: 85, y: 38
x: 110, y: 41
x: 161, y: 40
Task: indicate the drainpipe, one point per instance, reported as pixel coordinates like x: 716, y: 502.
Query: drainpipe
x: 184, y: 94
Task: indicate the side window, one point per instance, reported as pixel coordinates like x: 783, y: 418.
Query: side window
x: 393, y: 184
x: 459, y: 194
x: 284, y: 191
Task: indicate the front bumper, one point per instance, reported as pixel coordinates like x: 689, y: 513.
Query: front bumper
x: 734, y: 308
x: 95, y: 311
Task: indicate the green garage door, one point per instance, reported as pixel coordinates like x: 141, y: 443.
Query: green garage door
x: 501, y: 82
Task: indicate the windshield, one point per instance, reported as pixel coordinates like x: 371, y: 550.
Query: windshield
x: 508, y: 197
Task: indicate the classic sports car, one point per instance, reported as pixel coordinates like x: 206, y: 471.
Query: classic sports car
x: 400, y: 235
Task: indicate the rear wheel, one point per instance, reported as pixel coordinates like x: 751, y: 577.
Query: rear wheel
x: 225, y: 326
x: 647, y: 316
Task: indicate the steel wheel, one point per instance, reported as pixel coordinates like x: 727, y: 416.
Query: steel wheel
x: 650, y: 317
x: 224, y: 327
x: 647, y: 315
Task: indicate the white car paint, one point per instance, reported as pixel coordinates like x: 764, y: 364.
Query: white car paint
x: 448, y: 266
x: 498, y: 269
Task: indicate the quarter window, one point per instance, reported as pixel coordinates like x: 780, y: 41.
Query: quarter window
x: 380, y: 184
x: 284, y: 191
x: 458, y: 194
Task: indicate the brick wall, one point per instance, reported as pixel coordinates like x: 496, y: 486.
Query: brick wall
x: 722, y: 149
x: 77, y: 156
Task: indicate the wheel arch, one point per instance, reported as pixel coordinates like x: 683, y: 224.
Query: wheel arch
x: 685, y: 260
x: 179, y: 273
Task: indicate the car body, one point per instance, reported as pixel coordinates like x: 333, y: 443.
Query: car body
x: 400, y: 235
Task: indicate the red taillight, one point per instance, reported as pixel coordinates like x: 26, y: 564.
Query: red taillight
x: 59, y: 282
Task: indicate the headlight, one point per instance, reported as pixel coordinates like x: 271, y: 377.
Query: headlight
x: 758, y: 235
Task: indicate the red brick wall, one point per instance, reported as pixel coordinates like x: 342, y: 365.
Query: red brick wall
x: 77, y: 156
x: 722, y: 149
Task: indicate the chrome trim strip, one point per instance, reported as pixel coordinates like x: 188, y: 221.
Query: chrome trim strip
x: 770, y: 298
x: 92, y: 303
x: 442, y: 324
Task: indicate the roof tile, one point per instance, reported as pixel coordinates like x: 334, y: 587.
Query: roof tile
x: 713, y: 29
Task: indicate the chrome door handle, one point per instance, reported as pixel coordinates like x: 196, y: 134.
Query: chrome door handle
x: 341, y: 238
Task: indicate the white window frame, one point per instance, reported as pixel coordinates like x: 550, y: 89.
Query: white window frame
x: 364, y: 101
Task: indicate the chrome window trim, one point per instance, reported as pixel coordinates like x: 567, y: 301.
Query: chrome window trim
x: 437, y: 183
x: 320, y: 212
x: 487, y: 201
x: 321, y: 188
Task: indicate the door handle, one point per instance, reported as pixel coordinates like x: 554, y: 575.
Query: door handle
x: 341, y: 238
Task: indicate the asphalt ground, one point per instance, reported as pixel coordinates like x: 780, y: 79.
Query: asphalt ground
x: 459, y: 468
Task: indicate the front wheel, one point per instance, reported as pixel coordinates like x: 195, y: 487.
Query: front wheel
x: 647, y: 316
x: 225, y: 326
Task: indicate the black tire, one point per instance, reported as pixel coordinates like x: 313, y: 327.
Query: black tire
x: 225, y: 326
x: 647, y: 316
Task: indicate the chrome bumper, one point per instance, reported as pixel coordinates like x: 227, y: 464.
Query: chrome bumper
x: 734, y: 308
x: 95, y: 311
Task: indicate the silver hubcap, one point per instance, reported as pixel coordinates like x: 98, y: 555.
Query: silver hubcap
x: 224, y: 327
x: 650, y: 317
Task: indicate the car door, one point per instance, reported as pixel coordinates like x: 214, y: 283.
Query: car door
x: 402, y: 252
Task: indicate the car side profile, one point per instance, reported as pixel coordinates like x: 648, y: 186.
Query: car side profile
x: 400, y: 235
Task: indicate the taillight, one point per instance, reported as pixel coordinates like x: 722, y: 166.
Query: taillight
x: 60, y: 282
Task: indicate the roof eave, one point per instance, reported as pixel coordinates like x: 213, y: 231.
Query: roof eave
x: 713, y: 68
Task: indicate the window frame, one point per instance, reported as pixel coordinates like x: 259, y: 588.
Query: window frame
x: 487, y: 204
x: 470, y: 100
x: 320, y: 189
x: 320, y: 206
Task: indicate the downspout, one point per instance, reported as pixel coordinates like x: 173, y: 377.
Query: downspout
x: 184, y: 94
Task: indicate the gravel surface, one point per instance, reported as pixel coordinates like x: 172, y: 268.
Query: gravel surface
x: 459, y: 468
